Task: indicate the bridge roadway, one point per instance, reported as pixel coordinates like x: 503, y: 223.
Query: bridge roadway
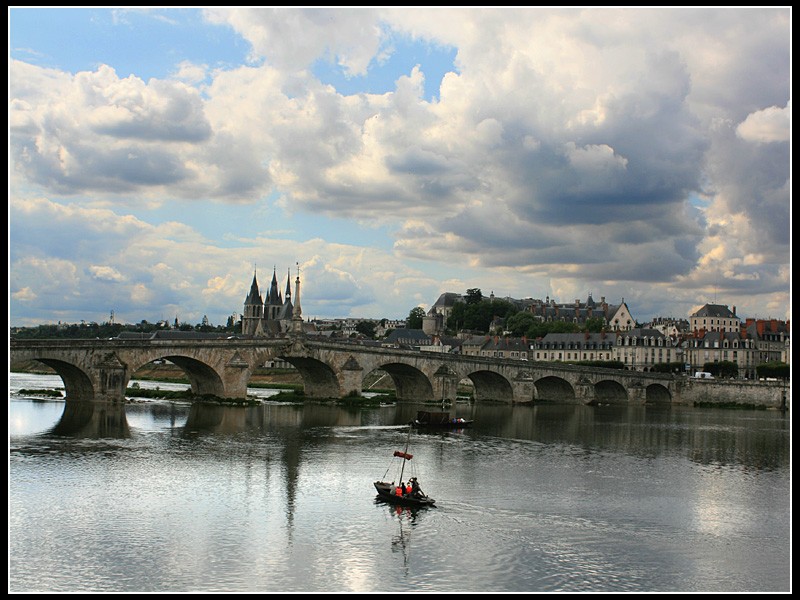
x: 98, y: 371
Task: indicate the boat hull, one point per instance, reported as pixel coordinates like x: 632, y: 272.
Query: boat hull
x: 447, y: 425
x: 386, y: 493
x: 439, y: 420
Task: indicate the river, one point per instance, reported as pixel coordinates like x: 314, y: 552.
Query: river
x: 279, y: 498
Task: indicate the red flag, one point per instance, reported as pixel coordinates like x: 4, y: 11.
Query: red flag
x: 403, y: 455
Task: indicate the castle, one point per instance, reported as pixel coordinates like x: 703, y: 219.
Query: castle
x: 272, y: 316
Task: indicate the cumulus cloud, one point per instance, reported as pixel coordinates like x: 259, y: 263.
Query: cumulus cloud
x: 769, y: 125
x: 105, y: 273
x: 293, y: 38
x: 564, y: 144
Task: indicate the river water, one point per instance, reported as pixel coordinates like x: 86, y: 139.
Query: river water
x: 279, y: 498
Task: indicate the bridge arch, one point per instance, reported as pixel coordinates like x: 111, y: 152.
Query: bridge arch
x: 655, y: 393
x: 608, y: 391
x: 489, y: 385
x: 320, y: 381
x: 554, y: 389
x: 82, y: 416
x: 77, y: 383
x: 203, y: 378
x: 410, y: 383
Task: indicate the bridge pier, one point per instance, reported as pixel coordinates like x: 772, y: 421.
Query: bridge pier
x: 445, y: 386
x: 584, y: 391
x: 111, y: 381
x: 351, y: 379
x: 523, y: 391
x: 637, y: 393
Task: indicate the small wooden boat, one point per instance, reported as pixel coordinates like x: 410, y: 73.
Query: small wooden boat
x: 388, y: 493
x: 441, y: 420
x: 402, y: 493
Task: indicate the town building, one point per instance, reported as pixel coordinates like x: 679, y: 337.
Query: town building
x: 406, y: 338
x: 640, y: 349
x: 771, y: 337
x: 718, y: 346
x: 435, y: 320
x: 714, y: 317
x: 493, y: 346
x: 669, y: 326
x: 574, y: 347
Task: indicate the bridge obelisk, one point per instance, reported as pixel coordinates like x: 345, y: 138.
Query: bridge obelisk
x: 296, y: 334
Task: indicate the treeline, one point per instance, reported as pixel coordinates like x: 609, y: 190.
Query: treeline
x: 108, y: 330
x: 776, y: 370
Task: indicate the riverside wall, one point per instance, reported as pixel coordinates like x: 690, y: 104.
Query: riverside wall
x: 768, y: 394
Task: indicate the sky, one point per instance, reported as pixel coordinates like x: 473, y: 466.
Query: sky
x: 160, y: 157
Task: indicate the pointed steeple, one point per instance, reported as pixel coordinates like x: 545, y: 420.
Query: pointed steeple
x: 274, y: 298
x: 254, y: 297
x: 253, y: 308
x: 288, y: 294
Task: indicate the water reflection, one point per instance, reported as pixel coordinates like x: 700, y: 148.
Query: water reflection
x: 280, y: 497
x: 401, y: 541
x: 705, y: 435
x: 92, y: 420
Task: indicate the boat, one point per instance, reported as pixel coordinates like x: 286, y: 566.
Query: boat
x: 441, y: 420
x: 410, y: 494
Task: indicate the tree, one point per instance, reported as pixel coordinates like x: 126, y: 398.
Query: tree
x: 519, y: 323
x: 778, y: 370
x: 474, y: 296
x: 722, y: 369
x: 366, y: 328
x: 415, y: 316
x: 478, y: 316
x: 595, y: 324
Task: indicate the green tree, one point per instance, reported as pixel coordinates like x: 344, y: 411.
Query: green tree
x: 474, y: 296
x: 366, y: 328
x: 595, y: 324
x: 415, y: 316
x: 722, y: 369
x: 778, y: 370
x: 519, y: 323
x: 477, y: 316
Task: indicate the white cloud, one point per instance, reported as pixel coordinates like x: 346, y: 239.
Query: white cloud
x: 292, y: 38
x: 772, y: 124
x: 105, y: 273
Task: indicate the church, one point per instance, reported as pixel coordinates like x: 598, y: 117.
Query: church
x: 271, y: 316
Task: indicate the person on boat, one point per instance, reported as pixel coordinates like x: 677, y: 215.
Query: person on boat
x: 408, y: 489
x: 400, y: 489
x: 416, y: 491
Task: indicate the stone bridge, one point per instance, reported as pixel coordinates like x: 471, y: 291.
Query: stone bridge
x: 98, y: 371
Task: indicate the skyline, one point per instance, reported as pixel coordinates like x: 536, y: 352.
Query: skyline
x: 157, y: 157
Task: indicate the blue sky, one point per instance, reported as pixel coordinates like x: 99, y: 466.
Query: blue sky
x: 158, y: 156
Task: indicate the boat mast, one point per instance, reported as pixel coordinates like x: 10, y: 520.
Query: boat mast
x: 405, y: 453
